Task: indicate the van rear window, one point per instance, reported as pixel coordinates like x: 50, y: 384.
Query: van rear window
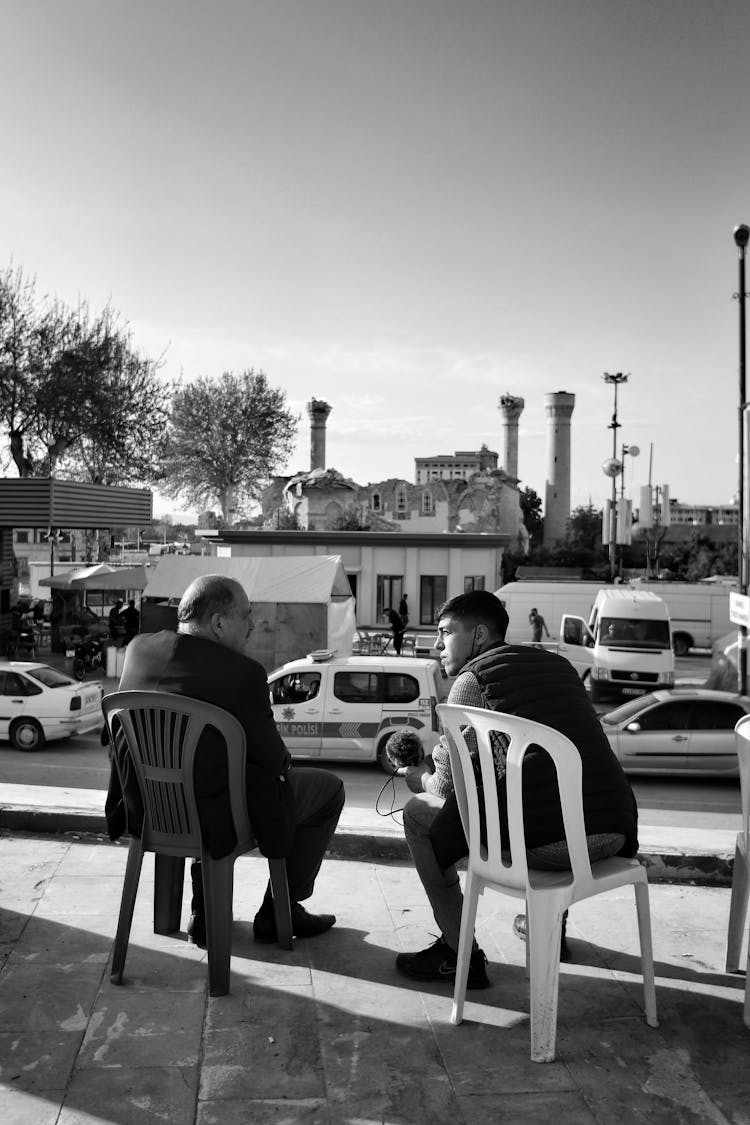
x: 375, y: 687
x: 356, y: 687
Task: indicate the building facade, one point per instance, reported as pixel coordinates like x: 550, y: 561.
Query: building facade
x: 382, y: 567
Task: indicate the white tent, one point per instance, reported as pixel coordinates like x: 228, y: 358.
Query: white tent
x: 318, y: 582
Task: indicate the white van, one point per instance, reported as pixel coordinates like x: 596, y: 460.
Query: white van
x: 345, y: 708
x: 626, y: 646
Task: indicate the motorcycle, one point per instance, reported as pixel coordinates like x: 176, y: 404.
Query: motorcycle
x: 88, y: 655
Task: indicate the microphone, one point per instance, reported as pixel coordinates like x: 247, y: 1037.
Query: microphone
x: 404, y: 748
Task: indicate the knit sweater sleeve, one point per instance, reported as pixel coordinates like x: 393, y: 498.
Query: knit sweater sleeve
x: 465, y: 692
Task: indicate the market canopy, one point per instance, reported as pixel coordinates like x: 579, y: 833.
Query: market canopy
x: 290, y: 579
x: 99, y: 577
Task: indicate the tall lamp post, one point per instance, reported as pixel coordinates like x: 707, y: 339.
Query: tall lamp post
x: 741, y: 238
x: 615, y: 379
x: 626, y: 451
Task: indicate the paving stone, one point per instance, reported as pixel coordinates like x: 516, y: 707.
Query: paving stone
x: 36, y: 998
x: 277, y: 1051
x: 127, y: 1096
x: 42, y: 1061
x: 270, y: 1111
x: 143, y: 1029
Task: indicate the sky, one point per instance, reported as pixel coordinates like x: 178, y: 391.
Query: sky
x: 407, y: 208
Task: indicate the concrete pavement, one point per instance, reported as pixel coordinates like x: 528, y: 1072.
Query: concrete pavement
x: 330, y: 1033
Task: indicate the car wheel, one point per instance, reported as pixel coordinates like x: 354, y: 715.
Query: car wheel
x: 681, y: 644
x: 26, y: 734
x: 383, y: 760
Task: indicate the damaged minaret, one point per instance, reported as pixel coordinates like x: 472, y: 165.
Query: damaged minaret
x: 559, y: 408
x: 510, y: 406
x: 318, y: 412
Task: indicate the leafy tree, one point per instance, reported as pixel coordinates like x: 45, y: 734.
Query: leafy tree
x: 531, y: 510
x: 17, y: 363
x: 75, y: 395
x: 584, y: 530
x: 227, y: 437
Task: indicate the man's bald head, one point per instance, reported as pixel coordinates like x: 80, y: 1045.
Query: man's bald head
x: 217, y: 608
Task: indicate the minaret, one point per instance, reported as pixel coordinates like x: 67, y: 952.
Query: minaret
x: 510, y: 406
x: 318, y: 412
x: 559, y: 407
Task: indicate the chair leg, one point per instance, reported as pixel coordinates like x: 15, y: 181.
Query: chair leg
x: 543, y: 930
x: 218, y: 889
x: 169, y: 878
x: 127, y: 905
x: 647, y: 951
x: 737, y: 909
x: 282, y: 908
x: 465, y: 941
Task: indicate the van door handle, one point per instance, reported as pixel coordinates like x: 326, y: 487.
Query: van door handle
x: 335, y: 710
x: 680, y: 738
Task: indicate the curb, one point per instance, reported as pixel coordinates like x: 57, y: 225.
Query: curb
x: 683, y: 866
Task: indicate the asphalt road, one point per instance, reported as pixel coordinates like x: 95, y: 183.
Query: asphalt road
x: 82, y: 763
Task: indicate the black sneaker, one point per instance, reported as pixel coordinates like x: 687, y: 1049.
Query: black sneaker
x: 519, y: 929
x: 438, y: 962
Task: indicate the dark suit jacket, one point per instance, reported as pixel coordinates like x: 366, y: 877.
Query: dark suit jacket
x: 203, y: 669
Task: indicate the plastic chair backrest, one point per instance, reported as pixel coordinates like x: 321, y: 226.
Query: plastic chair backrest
x: 162, y: 732
x: 493, y: 861
x: 742, y: 744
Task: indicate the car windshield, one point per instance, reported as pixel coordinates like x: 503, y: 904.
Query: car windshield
x: 50, y: 677
x: 629, y: 633
x: 625, y: 712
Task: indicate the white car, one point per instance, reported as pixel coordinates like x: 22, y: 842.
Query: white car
x: 39, y: 704
x: 683, y: 731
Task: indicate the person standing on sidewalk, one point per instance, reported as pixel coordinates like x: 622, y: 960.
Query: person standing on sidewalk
x: 537, y: 623
x: 207, y: 659
x: 535, y: 684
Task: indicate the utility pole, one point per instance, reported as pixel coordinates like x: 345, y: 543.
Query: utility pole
x: 741, y: 238
x: 614, y: 469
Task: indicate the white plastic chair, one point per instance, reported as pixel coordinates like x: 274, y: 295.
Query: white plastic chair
x: 741, y: 870
x: 547, y: 893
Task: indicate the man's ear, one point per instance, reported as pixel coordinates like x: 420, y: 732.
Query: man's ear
x: 482, y: 634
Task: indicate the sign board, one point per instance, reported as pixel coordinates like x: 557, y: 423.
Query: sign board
x: 739, y: 609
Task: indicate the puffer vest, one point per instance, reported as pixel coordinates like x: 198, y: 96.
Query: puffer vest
x: 540, y: 685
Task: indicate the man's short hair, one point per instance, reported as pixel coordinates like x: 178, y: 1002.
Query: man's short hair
x: 477, y: 607
x: 209, y: 594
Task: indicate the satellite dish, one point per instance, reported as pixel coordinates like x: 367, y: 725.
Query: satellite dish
x: 612, y: 467
x: 633, y: 450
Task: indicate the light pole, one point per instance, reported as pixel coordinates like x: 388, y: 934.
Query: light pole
x: 615, y: 379
x: 741, y: 238
x: 627, y: 451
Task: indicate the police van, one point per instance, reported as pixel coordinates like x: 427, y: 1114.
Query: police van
x: 345, y: 708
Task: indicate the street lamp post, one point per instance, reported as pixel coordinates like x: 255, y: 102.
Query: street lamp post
x: 741, y: 238
x: 615, y: 379
x: 627, y: 451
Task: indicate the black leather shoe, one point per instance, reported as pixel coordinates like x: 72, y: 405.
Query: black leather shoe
x: 303, y: 924
x: 519, y: 929
x: 196, y: 930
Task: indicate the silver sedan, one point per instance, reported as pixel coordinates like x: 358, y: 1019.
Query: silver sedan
x: 683, y: 731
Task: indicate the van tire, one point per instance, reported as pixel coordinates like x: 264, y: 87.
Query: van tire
x: 596, y: 695
x: 383, y: 760
x: 681, y: 644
